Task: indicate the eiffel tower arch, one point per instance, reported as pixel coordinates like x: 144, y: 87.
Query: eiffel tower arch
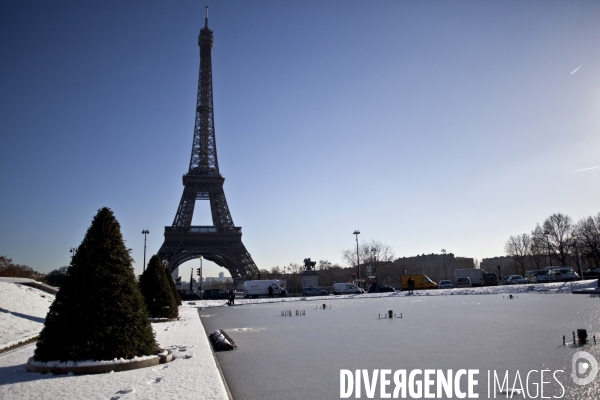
x: 220, y: 243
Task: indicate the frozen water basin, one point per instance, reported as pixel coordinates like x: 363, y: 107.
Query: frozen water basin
x: 301, y: 356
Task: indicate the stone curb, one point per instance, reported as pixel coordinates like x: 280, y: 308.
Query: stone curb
x: 20, y: 344
x: 103, y: 368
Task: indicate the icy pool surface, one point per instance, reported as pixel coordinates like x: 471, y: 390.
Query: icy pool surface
x: 300, y: 357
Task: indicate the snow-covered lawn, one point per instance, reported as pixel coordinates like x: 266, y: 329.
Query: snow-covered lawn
x: 22, y: 313
x: 192, y: 375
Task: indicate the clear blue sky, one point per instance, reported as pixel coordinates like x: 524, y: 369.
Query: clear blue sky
x: 424, y: 124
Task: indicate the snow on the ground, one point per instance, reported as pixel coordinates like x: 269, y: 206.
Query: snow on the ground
x: 561, y: 287
x: 22, y: 312
x: 192, y: 375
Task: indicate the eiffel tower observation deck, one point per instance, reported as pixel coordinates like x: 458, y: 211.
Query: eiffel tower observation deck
x: 220, y: 243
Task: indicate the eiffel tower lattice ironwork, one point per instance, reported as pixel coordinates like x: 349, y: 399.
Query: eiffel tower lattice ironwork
x: 221, y: 242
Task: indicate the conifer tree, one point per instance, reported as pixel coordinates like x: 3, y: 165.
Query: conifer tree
x: 98, y: 313
x: 171, y: 281
x: 157, y: 291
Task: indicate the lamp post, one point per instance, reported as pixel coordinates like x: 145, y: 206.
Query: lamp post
x: 356, y: 233
x: 444, y: 256
x: 145, y: 232
x: 73, y: 251
x: 200, y: 274
x: 547, y: 234
x: 374, y: 251
x: 577, y: 253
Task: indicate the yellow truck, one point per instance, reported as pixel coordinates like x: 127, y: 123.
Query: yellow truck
x: 421, y: 282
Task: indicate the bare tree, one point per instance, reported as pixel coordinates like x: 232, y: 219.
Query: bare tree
x: 588, y: 230
x: 10, y: 269
x: 558, y: 228
x: 323, y: 265
x: 538, y: 248
x: 518, y: 248
x: 373, y: 253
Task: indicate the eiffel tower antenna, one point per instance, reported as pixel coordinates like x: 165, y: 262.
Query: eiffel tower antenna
x: 222, y: 241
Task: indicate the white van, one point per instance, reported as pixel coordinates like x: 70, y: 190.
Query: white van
x: 543, y: 276
x: 255, y: 289
x: 565, y: 274
x: 346, y: 288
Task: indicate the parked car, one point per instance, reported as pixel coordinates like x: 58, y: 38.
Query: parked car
x: 543, y: 276
x: 463, y: 282
x: 490, y: 279
x: 565, y: 274
x: 214, y: 294
x: 505, y: 280
x: 188, y: 295
x: 314, y: 291
x: 515, y: 280
x: 374, y: 288
x: 445, y: 284
x: 475, y: 275
x: 346, y: 288
x: 530, y: 275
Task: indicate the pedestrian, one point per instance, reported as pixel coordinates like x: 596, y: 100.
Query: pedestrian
x: 231, y: 297
x: 271, y: 291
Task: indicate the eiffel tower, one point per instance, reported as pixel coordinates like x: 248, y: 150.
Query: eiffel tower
x: 220, y: 243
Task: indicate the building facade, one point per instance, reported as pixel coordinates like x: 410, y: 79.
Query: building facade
x: 435, y: 266
x: 506, y: 265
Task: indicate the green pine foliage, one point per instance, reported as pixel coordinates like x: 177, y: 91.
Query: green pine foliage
x: 157, y: 292
x: 171, y: 281
x: 98, y: 313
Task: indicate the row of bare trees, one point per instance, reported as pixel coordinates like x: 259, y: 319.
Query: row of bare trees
x: 9, y: 269
x: 557, y: 242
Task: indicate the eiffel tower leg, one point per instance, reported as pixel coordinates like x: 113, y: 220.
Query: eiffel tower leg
x: 219, y: 208
x: 185, y: 211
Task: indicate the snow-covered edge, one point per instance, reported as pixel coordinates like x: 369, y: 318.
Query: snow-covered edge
x: 16, y: 343
x: 86, y: 363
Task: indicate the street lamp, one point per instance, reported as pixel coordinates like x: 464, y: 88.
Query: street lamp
x: 73, y: 251
x: 374, y: 251
x: 145, y: 232
x: 444, y: 255
x: 574, y: 235
x: 356, y: 233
